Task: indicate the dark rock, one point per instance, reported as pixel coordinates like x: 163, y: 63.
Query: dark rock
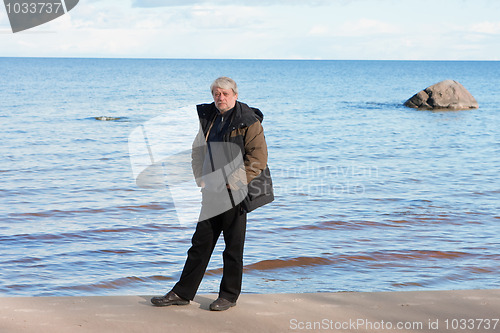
x: 447, y: 94
x: 106, y: 118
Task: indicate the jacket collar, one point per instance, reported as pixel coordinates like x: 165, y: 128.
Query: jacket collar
x: 242, y: 116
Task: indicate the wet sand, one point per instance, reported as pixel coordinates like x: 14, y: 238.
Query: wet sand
x: 413, y: 311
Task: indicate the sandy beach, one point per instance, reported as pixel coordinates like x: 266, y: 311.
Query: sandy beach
x: 413, y: 311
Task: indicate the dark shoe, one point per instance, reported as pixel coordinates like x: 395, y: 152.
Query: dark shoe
x: 170, y: 298
x: 221, y: 304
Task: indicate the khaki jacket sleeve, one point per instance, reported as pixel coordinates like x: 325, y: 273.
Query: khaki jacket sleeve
x: 255, y: 158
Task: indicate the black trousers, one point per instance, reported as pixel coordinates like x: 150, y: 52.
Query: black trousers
x: 232, y: 224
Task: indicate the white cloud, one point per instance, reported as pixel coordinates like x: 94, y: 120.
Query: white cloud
x: 362, y: 27
x: 227, y: 17
x: 319, y: 30
x: 149, y: 24
x: 365, y: 27
x: 338, y: 29
x: 109, y: 41
x: 173, y: 3
x: 162, y: 3
x: 490, y: 28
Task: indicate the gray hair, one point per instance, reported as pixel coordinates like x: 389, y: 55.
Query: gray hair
x: 224, y: 83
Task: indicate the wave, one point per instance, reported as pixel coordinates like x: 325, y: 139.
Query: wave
x: 92, y: 234
x: 372, y: 105
x: 116, y: 283
x: 373, y: 260
x: 90, y: 211
x: 333, y: 225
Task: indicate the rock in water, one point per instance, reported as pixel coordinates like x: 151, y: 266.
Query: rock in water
x: 447, y: 94
x: 106, y: 118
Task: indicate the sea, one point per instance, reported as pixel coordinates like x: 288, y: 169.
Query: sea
x: 369, y: 195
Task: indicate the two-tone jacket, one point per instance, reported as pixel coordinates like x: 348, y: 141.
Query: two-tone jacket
x: 246, y: 132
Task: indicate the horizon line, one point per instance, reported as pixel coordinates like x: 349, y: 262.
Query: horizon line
x: 245, y: 59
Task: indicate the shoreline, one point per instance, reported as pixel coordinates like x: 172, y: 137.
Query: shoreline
x: 405, y: 311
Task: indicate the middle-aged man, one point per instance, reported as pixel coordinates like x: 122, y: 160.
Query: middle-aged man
x: 225, y: 124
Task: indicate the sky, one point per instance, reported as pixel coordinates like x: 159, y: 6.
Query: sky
x: 268, y: 29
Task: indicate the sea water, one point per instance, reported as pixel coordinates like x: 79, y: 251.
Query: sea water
x: 370, y: 195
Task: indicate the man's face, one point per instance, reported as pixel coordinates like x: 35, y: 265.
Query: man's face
x: 225, y: 99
